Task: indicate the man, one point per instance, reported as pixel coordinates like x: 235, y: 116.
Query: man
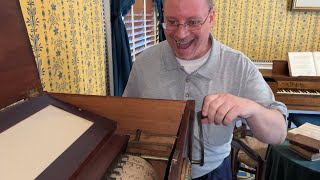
x: 225, y: 84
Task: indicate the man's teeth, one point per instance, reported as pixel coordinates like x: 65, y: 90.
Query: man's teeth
x: 182, y: 43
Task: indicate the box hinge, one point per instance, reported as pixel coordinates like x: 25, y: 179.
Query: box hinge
x: 33, y: 93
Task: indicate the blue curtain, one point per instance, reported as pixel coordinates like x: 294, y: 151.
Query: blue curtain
x: 121, y: 55
x: 160, y: 20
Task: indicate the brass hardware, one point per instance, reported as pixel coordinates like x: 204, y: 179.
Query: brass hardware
x: 154, y: 157
x: 33, y: 93
x: 186, y: 170
x: 138, y: 135
x: 159, y: 158
x: 196, y: 161
x: 175, y: 157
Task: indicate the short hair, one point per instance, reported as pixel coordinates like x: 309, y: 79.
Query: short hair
x: 210, y: 3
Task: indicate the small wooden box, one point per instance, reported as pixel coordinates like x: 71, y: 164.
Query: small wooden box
x: 159, y: 130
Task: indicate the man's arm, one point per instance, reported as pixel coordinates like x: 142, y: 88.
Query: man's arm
x: 268, y: 125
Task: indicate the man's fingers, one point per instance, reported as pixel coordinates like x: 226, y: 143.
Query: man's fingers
x: 221, y: 112
x: 206, y: 104
x: 205, y: 121
x: 221, y: 109
x: 214, y: 106
x: 230, y: 116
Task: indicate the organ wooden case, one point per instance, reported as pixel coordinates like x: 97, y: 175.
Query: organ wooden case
x: 157, y: 130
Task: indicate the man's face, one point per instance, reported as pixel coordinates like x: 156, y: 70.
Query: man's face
x: 188, y: 44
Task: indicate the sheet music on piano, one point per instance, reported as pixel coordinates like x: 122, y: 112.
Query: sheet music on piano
x: 304, y: 63
x: 316, y: 58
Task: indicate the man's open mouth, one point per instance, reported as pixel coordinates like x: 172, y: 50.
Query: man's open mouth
x: 183, y: 44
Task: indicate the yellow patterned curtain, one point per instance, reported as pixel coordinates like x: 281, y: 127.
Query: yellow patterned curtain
x: 266, y: 30
x: 68, y: 43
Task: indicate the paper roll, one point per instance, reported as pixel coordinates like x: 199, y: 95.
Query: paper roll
x: 133, y: 168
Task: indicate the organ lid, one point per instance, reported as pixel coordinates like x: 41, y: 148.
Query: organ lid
x: 18, y: 73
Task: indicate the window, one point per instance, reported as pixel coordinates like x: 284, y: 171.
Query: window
x: 141, y: 25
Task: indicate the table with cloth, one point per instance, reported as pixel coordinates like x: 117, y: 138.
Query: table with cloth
x: 282, y: 164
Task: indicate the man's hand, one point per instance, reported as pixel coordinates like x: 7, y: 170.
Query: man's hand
x: 268, y: 125
x: 224, y: 108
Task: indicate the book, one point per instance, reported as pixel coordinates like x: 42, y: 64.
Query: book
x: 306, y: 136
x: 305, y: 142
x: 304, y: 63
x: 309, y: 155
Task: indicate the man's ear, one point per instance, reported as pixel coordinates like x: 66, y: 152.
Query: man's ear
x: 212, y: 17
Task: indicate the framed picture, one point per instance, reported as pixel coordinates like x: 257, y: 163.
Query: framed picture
x: 305, y: 4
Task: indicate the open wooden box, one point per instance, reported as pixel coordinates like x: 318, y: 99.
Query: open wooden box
x: 158, y: 130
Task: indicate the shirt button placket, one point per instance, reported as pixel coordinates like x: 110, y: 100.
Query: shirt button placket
x: 187, y: 88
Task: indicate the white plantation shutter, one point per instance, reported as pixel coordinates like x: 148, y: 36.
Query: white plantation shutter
x: 141, y: 25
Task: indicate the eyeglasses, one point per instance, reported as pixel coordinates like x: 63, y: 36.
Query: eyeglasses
x: 172, y: 25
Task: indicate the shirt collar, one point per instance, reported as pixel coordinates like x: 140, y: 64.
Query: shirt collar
x: 169, y: 59
x: 211, y: 66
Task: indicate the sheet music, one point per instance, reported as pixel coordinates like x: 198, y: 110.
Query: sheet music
x: 301, y: 64
x: 30, y: 146
x: 309, y: 130
x: 308, y: 3
x: 316, y: 58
